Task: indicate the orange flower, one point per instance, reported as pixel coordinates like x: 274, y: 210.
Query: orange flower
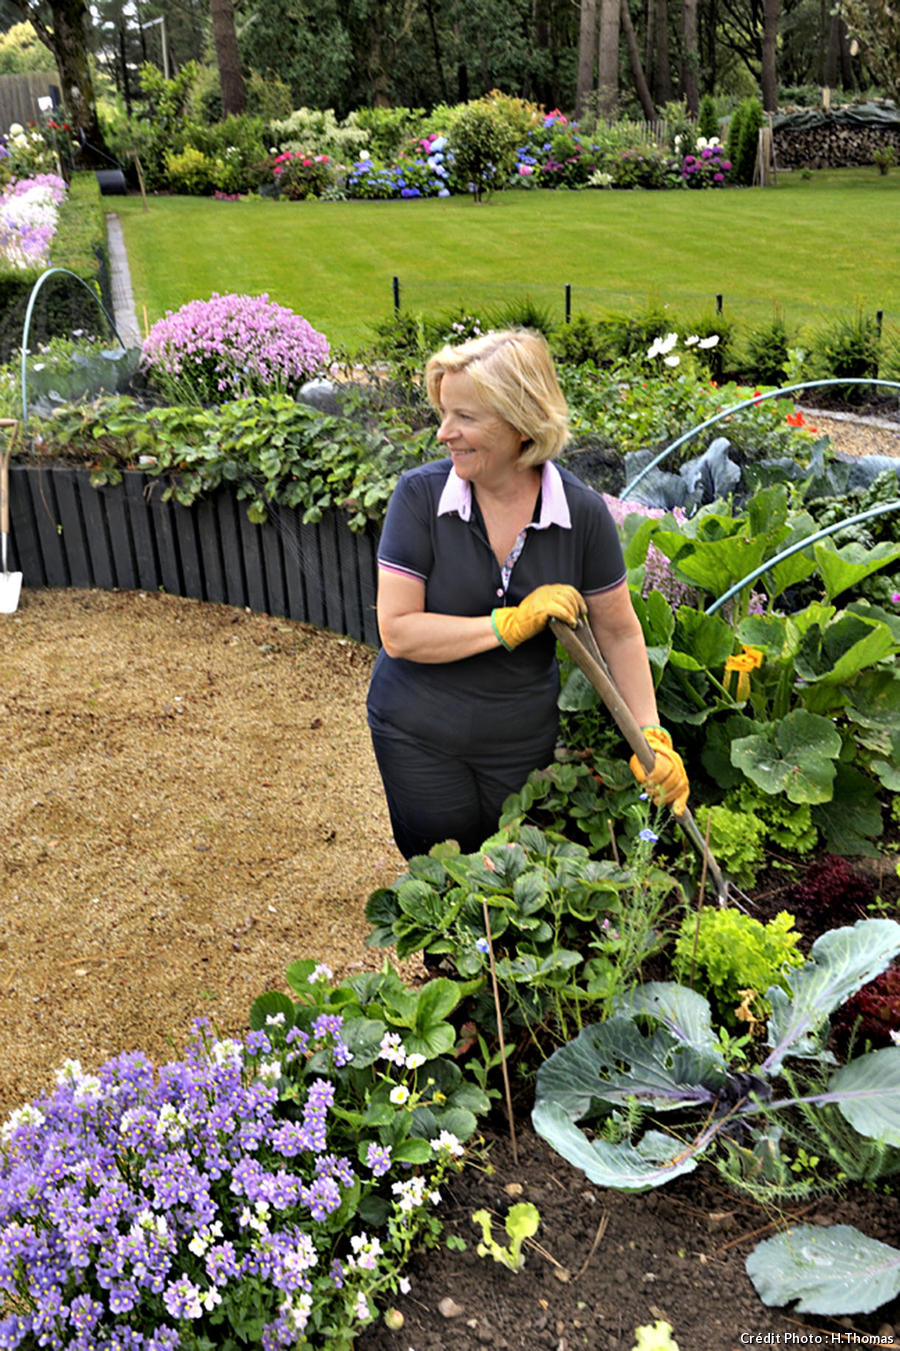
x: 747, y: 660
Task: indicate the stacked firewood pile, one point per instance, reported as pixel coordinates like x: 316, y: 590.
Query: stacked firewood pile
x: 844, y: 137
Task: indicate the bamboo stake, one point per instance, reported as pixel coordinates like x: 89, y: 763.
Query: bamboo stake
x: 499, y: 1017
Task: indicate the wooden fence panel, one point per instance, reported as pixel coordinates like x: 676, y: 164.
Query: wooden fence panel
x: 64, y: 533
x: 19, y: 96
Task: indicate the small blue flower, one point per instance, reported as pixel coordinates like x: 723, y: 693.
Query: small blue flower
x: 482, y: 945
x: 648, y: 835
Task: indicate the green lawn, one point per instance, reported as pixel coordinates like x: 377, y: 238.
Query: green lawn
x: 811, y: 246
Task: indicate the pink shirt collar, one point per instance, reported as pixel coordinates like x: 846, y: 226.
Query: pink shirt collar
x: 457, y: 497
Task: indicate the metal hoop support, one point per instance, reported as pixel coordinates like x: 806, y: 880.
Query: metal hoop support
x: 27, y: 325
x: 737, y: 408
x: 799, y: 545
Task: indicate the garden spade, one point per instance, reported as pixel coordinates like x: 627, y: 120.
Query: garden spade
x: 581, y: 646
x: 10, y: 582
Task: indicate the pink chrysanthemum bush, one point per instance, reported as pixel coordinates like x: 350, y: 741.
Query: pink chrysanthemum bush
x: 230, y: 347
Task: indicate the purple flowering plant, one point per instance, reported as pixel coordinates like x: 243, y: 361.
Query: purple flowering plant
x: 709, y: 167
x: 265, y: 1191
x: 232, y: 346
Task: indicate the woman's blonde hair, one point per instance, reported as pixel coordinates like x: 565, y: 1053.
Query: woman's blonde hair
x: 513, y: 373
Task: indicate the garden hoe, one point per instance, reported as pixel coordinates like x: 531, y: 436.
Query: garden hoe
x: 10, y: 582
x: 581, y: 646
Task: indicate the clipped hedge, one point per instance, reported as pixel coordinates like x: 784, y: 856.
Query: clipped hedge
x: 79, y: 245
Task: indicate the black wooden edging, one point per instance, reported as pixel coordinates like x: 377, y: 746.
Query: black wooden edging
x: 65, y: 533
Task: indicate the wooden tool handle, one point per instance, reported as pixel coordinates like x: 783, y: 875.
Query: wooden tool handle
x: 584, y: 652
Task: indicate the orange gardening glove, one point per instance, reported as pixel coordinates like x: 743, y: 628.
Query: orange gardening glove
x: 667, y: 782
x: 514, y: 624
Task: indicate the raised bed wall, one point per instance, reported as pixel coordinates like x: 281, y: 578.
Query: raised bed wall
x: 63, y: 532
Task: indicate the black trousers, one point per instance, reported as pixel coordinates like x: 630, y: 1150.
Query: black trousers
x: 435, y: 793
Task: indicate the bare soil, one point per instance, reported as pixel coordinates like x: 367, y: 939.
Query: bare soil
x: 188, y: 803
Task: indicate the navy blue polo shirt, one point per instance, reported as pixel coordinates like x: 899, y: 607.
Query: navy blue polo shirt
x: 433, y: 531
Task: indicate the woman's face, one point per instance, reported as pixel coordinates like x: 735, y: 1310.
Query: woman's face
x: 484, y: 448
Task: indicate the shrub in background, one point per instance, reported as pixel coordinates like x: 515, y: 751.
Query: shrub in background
x: 316, y: 131
x: 709, y: 167
x: 238, y: 148
x: 763, y: 350
x: 190, y: 171
x: 743, y: 140
x: 708, y: 118
x: 25, y: 152
x: 387, y: 129
x: 267, y: 96
x: 845, y: 346
x: 232, y: 346
x: 645, y: 166
x: 483, y: 143
x: 298, y: 176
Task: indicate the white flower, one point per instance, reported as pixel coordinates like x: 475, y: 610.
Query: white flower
x: 211, y: 1298
x: 269, y: 1071
x: 672, y: 360
x: 227, y: 1050
x: 447, y: 1142
x: 27, y: 1115
x: 320, y: 972
x: 88, y: 1089
x: 895, y: 1037
x: 70, y: 1070
x: 404, y: 1285
x: 275, y: 1020
x: 691, y: 341
x: 414, y: 1060
x: 399, y: 1095
x: 392, y: 1049
x: 712, y: 341
x: 410, y: 1193
x: 660, y: 346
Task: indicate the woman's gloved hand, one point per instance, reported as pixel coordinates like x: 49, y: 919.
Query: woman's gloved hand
x: 667, y: 782
x: 514, y: 624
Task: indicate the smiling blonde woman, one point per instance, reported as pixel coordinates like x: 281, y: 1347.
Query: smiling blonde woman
x: 479, y: 551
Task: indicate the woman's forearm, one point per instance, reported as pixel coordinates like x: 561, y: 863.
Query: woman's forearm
x: 630, y: 670
x: 426, y: 637
x: 621, y: 640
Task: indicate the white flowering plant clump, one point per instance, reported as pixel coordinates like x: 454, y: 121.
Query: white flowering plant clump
x: 266, y: 1191
x: 29, y: 214
x: 25, y: 152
